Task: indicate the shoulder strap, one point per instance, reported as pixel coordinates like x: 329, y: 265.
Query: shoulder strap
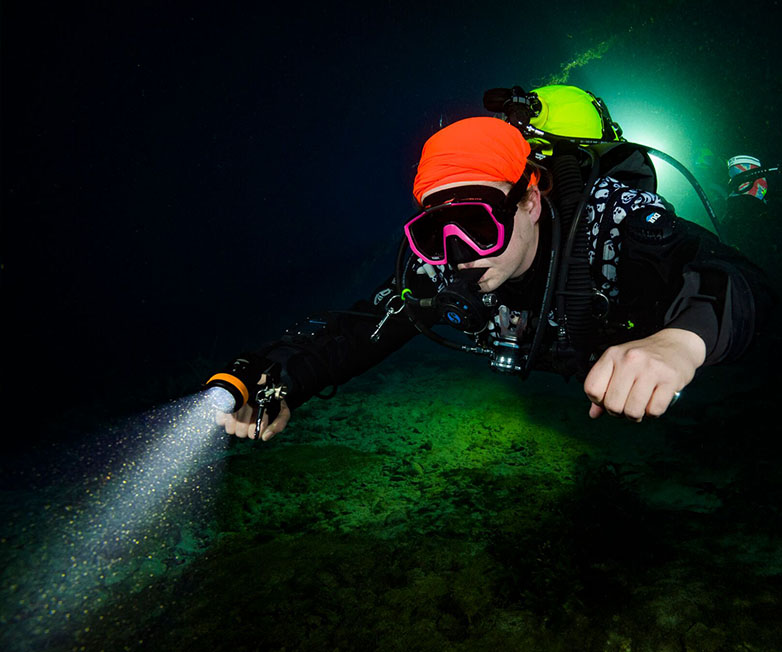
x: 628, y: 164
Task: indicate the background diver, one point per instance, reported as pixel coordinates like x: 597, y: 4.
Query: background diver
x: 541, y: 240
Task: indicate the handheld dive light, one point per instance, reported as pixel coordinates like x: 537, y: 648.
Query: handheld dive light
x: 237, y: 384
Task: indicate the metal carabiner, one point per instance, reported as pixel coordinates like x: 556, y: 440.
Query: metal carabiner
x: 389, y: 311
x: 264, y: 397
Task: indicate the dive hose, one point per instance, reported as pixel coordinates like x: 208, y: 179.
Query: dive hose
x: 575, y: 290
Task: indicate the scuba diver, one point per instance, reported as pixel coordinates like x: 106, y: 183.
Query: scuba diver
x: 541, y: 241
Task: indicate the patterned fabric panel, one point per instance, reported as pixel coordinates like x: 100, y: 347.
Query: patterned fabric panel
x: 608, y: 205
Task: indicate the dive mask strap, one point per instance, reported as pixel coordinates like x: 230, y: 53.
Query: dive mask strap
x: 519, y: 189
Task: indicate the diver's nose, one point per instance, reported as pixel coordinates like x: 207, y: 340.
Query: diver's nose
x: 458, y: 251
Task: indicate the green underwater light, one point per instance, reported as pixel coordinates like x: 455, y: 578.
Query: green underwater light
x: 674, y: 180
x: 656, y: 132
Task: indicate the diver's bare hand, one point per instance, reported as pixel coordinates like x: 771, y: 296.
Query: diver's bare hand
x: 242, y: 422
x: 640, y: 378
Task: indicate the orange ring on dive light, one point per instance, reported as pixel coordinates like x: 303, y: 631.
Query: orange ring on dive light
x: 233, y: 380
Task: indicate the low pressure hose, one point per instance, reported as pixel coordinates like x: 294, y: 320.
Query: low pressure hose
x: 548, y: 294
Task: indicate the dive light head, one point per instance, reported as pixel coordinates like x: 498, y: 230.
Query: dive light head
x: 230, y: 389
x: 221, y: 398
x: 519, y: 106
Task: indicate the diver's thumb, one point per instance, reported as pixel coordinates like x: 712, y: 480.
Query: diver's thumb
x: 595, y: 411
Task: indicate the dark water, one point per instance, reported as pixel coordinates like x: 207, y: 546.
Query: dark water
x: 180, y: 182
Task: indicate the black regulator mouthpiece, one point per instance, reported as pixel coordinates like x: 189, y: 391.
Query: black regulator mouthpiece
x: 462, y: 305
x: 518, y: 105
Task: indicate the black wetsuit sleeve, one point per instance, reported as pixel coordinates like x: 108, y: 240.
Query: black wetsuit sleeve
x: 330, y: 348
x: 701, y: 284
x: 723, y: 296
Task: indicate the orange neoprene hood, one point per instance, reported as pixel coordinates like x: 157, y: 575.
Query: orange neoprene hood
x: 474, y: 149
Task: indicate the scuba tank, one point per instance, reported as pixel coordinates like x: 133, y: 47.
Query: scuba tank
x: 554, y: 112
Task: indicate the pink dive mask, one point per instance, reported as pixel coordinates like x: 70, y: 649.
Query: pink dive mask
x: 481, y: 225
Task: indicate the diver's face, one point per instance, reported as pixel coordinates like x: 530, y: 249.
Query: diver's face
x: 520, y: 252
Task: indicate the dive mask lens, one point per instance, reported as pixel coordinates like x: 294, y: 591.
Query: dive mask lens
x: 472, y: 222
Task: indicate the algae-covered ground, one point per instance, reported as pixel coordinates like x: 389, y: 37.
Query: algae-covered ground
x: 430, y: 505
